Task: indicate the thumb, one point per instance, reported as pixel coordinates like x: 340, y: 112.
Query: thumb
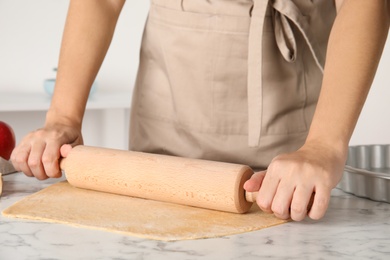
x: 254, y: 183
x: 65, y: 150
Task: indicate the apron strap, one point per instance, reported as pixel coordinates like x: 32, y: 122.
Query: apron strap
x: 284, y: 12
x: 255, y: 64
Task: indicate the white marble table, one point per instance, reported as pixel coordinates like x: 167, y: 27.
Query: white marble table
x: 353, y: 228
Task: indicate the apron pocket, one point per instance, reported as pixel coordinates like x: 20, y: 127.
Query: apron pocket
x: 284, y: 90
x: 193, y: 73
x: 187, y: 60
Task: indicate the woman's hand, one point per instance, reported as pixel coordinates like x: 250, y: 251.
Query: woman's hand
x: 287, y: 186
x: 38, y: 153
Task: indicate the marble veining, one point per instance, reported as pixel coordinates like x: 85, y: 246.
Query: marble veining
x: 354, y: 228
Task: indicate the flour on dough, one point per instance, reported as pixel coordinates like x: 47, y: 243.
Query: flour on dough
x: 62, y: 203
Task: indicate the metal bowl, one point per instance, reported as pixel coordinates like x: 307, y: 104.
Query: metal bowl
x: 367, y: 172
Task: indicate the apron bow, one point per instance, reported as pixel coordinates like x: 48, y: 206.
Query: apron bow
x: 284, y: 14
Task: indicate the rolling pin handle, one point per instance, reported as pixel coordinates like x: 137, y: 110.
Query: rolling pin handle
x: 251, y: 196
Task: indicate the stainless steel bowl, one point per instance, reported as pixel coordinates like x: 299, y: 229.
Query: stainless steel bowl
x: 367, y: 172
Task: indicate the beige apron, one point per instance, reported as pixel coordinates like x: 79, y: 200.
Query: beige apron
x: 229, y: 80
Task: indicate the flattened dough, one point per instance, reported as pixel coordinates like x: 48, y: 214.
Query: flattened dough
x: 62, y: 203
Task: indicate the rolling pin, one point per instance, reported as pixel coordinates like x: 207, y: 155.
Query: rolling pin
x: 192, y: 182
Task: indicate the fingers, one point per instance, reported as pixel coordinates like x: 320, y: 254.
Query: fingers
x: 65, y: 150
x: 39, y: 152
x: 34, y: 161
x: 50, y: 158
x: 289, y: 190
x: 320, y: 203
x: 19, y: 158
x: 300, y: 203
x: 281, y: 202
x: 268, y: 190
x: 37, y: 156
x: 293, y: 201
x: 39, y: 160
x: 254, y: 183
x: 27, y: 158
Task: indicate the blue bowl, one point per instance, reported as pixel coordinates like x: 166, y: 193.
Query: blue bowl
x: 49, y: 85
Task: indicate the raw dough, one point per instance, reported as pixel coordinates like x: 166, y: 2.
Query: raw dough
x: 62, y: 203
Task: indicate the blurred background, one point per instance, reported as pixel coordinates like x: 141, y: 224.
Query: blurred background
x: 30, y: 37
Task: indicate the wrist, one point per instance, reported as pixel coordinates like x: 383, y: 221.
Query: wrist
x: 54, y: 117
x: 335, y: 147
x: 335, y: 138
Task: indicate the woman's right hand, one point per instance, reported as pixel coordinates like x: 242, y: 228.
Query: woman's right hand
x: 38, y: 153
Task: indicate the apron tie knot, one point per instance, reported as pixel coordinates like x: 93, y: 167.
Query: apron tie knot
x: 284, y: 36
x: 284, y: 14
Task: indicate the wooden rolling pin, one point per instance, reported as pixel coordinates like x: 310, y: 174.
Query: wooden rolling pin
x: 199, y: 183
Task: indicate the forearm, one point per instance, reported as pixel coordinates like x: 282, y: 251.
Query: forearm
x: 355, y: 47
x: 87, y: 35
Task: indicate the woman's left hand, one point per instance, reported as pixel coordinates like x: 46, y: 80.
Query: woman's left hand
x: 287, y: 186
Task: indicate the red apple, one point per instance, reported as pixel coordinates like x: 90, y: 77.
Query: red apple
x: 7, y: 140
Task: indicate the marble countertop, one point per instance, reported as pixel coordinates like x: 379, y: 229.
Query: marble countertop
x: 353, y: 228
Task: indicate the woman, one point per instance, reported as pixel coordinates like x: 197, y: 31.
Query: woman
x: 238, y: 81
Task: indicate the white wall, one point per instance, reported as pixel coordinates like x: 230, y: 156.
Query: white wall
x: 374, y: 123
x: 30, y: 36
